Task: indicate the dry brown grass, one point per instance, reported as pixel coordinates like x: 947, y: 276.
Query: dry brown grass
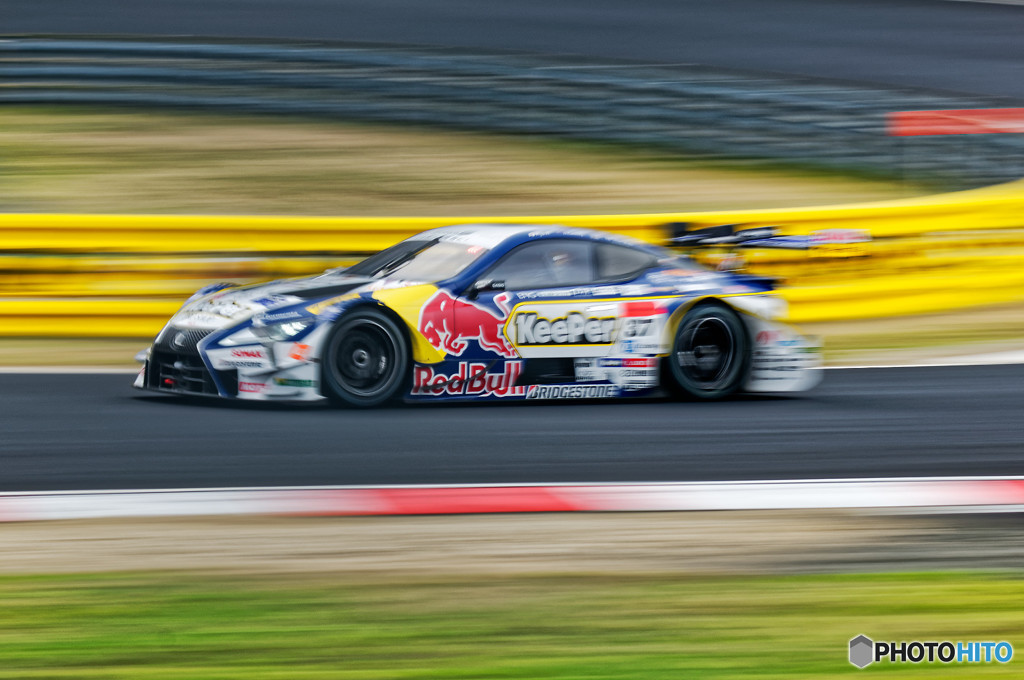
x: 81, y: 160
x: 496, y: 545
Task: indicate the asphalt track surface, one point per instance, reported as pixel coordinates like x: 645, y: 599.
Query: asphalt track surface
x: 96, y: 432
x: 967, y: 47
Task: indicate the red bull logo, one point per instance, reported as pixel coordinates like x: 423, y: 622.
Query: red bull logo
x: 472, y: 379
x: 448, y: 323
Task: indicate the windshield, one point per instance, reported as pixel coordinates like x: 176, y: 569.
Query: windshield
x: 419, y: 261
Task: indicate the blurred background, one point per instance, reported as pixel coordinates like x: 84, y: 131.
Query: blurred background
x: 461, y: 110
x: 150, y: 148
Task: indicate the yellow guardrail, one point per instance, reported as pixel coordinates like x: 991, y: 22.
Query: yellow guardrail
x: 123, y: 275
x: 239, y: 234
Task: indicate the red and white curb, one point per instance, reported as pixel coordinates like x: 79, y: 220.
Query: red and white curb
x: 946, y: 494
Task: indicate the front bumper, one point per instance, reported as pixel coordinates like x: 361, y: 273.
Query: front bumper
x: 186, y: 363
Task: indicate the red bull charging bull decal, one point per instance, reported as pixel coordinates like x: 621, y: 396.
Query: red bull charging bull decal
x: 448, y: 323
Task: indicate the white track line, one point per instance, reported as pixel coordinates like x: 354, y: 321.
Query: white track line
x: 901, y: 495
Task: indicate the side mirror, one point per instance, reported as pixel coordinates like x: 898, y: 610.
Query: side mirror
x: 484, y: 285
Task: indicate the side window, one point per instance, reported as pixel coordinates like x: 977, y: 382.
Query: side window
x: 550, y: 263
x: 616, y: 262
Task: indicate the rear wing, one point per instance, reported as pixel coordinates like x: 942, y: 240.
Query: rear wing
x: 842, y: 241
x: 685, y: 235
x: 721, y: 245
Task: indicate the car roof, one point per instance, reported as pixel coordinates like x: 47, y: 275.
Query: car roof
x: 492, y: 235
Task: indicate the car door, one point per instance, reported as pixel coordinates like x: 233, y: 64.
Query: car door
x: 541, y: 288
x: 573, y: 314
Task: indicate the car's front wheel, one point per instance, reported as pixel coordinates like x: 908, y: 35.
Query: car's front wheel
x: 711, y: 353
x: 365, y: 360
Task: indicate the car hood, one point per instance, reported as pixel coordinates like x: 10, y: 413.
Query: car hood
x: 234, y: 305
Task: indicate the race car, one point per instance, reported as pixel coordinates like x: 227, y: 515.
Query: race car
x: 487, y: 312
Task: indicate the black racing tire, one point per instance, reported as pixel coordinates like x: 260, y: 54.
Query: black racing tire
x: 365, y: 362
x: 711, y: 353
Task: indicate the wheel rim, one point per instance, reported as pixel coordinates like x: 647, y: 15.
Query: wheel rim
x: 364, y: 359
x: 706, y: 353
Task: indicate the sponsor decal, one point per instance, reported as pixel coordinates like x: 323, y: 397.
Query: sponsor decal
x: 281, y: 316
x: 643, y: 308
x: 226, y: 308
x: 635, y: 346
x: 639, y: 362
x: 633, y: 290
x: 253, y: 353
x: 294, y: 382
x: 199, y: 320
x: 465, y: 237
x: 269, y: 301
x: 233, y: 303
x: 588, y: 328
x: 770, y: 364
x: 628, y: 373
x: 572, y: 391
x: 633, y: 328
x: 240, y: 357
x: 777, y: 339
x: 300, y: 351
x: 251, y: 387
x: 632, y: 373
x: 388, y: 284
x: 586, y: 370
x: 644, y: 374
x: 642, y: 325
x: 471, y: 379
x: 629, y: 290
x: 574, y: 328
x: 449, y: 323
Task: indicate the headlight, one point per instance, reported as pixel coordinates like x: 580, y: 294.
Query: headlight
x: 279, y: 332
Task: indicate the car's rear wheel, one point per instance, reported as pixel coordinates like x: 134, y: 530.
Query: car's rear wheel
x: 365, y: 360
x: 711, y: 353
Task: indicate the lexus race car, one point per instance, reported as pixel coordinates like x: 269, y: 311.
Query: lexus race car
x: 487, y: 312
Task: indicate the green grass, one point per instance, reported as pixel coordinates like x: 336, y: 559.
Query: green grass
x: 578, y: 626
